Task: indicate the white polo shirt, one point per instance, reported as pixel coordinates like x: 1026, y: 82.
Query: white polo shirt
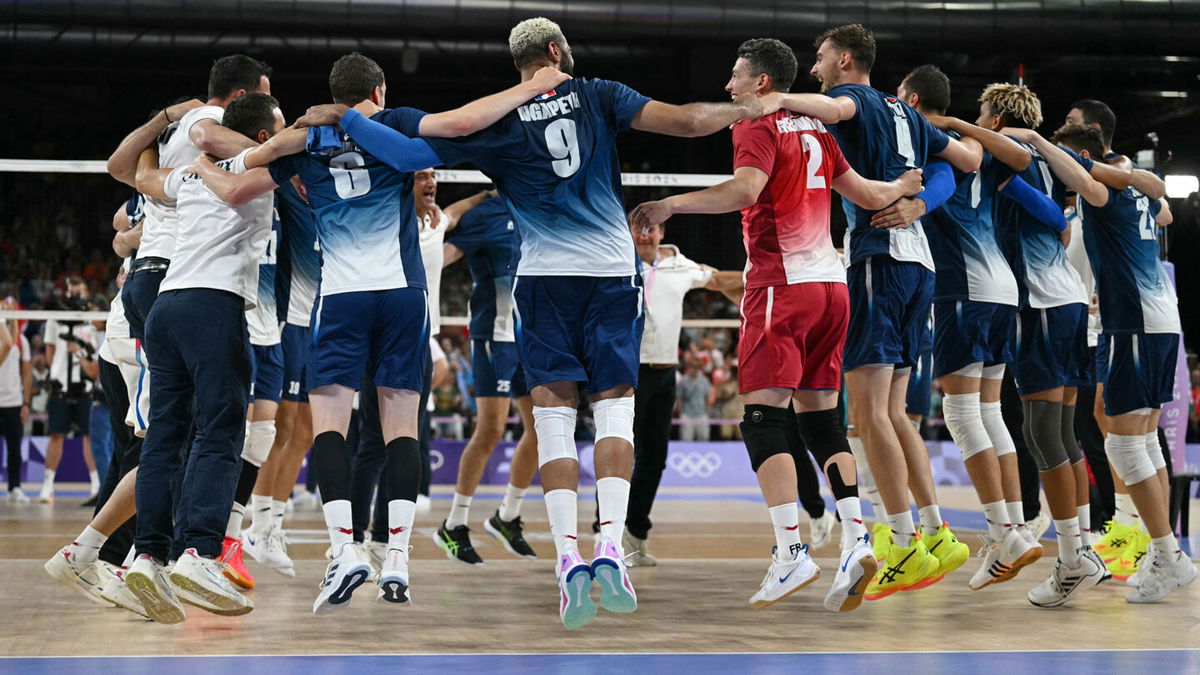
x: 65, y: 365
x: 10, y: 373
x: 218, y: 245
x: 175, y: 150
x: 665, y: 282
x: 432, y: 256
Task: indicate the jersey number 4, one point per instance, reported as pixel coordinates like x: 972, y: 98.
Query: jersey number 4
x: 350, y: 179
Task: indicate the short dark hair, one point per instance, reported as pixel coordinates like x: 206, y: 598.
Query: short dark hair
x: 854, y: 38
x: 237, y: 71
x: 250, y: 114
x: 1081, y: 137
x: 931, y: 85
x: 1098, y: 112
x: 770, y: 56
x: 353, y: 78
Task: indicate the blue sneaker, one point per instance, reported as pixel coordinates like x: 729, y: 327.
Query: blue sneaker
x: 574, y: 583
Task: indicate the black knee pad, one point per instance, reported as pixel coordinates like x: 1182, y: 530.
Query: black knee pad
x: 1044, y: 436
x: 332, y: 466
x: 1070, y: 443
x: 765, y: 431
x: 825, y: 437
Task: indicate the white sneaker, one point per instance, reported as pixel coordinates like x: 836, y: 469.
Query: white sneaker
x: 822, y: 529
x: 206, y: 578
x: 575, y: 606
x: 377, y: 552
x: 46, y: 496
x: 638, y: 554
x: 114, y: 590
x: 610, y: 571
x: 854, y: 574
x: 424, y: 505
x: 393, y: 577
x: 306, y: 500
x: 148, y: 581
x: 1039, y: 525
x: 345, y: 572
x: 17, y: 496
x: 1003, y: 559
x: 1065, y: 582
x: 785, y: 577
x: 276, y: 554
x: 83, y: 577
x: 1026, y: 534
x: 1166, y: 573
x: 255, y: 543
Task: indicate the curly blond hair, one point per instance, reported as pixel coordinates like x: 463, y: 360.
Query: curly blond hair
x: 528, y: 39
x: 1016, y: 104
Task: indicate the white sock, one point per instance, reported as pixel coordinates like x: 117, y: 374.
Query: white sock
x: 129, y: 558
x: 48, y: 482
x: 233, y: 529
x: 562, y: 508
x: 460, y: 509
x: 786, y: 519
x: 903, y: 529
x: 931, y: 519
x: 1084, y: 516
x: 86, y: 546
x: 1016, y: 516
x: 340, y: 524
x: 866, y: 480
x: 850, y: 509
x: 997, y: 519
x: 94, y: 477
x: 1166, y: 546
x: 260, y: 514
x: 1069, y: 540
x: 510, y: 506
x: 277, y: 509
x: 401, y: 514
x: 1127, y: 513
x: 612, y: 493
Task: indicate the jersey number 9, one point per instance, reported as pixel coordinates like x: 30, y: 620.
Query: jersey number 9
x: 563, y: 145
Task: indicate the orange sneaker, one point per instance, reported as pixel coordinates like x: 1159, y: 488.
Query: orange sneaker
x: 235, y: 568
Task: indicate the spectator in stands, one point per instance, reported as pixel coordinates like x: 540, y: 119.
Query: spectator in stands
x: 693, y: 388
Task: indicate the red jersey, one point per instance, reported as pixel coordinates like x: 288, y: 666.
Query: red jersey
x: 786, y: 231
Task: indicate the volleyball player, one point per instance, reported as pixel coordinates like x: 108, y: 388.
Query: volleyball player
x: 794, y: 313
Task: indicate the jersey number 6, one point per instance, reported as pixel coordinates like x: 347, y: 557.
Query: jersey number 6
x: 350, y: 179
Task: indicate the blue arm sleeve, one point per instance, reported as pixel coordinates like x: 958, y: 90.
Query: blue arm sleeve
x: 939, y: 185
x: 1036, y: 203
x: 391, y: 147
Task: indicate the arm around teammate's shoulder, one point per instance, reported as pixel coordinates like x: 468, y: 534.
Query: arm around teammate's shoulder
x: 696, y: 119
x: 817, y: 106
x: 388, y: 145
x: 287, y: 142
x: 484, y: 112
x: 961, y: 156
x: 219, y: 141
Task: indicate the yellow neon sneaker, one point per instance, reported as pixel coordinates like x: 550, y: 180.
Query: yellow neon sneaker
x: 1131, y: 557
x: 950, y: 552
x: 1116, y: 538
x: 902, y: 567
x: 881, y: 540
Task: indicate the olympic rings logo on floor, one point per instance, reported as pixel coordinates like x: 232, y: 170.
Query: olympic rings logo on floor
x: 694, y: 464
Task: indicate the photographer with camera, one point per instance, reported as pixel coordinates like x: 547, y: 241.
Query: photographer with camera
x: 71, y: 351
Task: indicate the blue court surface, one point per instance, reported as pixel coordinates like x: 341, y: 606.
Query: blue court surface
x: 960, y: 663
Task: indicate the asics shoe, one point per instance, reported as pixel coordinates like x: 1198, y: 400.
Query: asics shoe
x: 609, y: 570
x: 115, y: 591
x: 456, y: 543
x: 881, y: 540
x: 638, y: 554
x: 209, y: 579
x: 950, y: 552
x: 347, y: 571
x: 1064, y: 582
x: 785, y: 576
x: 235, y: 567
x: 902, y: 568
x: 1116, y: 538
x: 822, y: 529
x: 1165, y: 574
x: 854, y: 574
x: 83, y: 577
x: 1003, y: 559
x: 148, y: 581
x: 510, y: 535
x: 1132, y: 556
x: 393, y: 577
x: 575, y: 607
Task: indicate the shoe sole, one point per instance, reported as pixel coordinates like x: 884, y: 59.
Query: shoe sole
x: 499, y: 536
x: 244, y: 581
x: 222, y: 604
x: 340, y: 598
x: 1027, y: 558
x: 158, y: 608
x: 580, y: 608
x: 614, y: 597
x: 446, y: 549
x: 760, y: 604
x: 855, y: 594
x: 394, y: 591
x: 62, y: 573
x: 121, y: 604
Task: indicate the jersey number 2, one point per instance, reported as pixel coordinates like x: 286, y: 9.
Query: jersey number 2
x: 350, y: 179
x: 816, y: 157
x: 563, y: 145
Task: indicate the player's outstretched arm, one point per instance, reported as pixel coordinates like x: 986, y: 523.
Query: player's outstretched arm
x: 234, y: 189
x: 939, y: 186
x: 287, y: 142
x: 873, y: 195
x: 1072, y: 173
x: 122, y: 163
x: 1148, y: 184
x: 1115, y: 176
x: 388, y: 145
x: 733, y: 195
x: 731, y: 284
x: 1164, y: 216
x: 483, y: 113
x: 150, y: 180
x: 817, y: 106
x: 1003, y: 148
x: 961, y: 156
x: 697, y: 119
x: 460, y: 207
x: 1035, y: 202
x: 217, y: 140
x: 450, y: 254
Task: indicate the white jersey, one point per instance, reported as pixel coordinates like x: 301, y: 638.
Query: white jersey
x: 65, y: 369
x: 116, y: 324
x: 665, y: 282
x: 1077, y: 257
x: 219, y: 245
x: 175, y: 150
x: 432, y: 255
x: 11, y: 387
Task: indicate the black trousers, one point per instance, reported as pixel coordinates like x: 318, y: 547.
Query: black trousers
x: 1014, y: 418
x: 12, y: 430
x: 653, y: 405
x: 127, y: 451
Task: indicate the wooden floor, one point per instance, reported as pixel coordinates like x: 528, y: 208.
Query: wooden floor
x: 713, y: 551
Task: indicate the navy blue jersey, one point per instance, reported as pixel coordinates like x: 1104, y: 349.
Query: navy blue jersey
x: 1135, y: 294
x: 554, y: 161
x: 884, y: 139
x: 486, y: 238
x: 365, y: 221
x: 963, y: 239
x: 299, y: 257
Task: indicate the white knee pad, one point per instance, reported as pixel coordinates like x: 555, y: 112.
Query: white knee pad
x: 614, y: 418
x: 1128, y: 457
x: 993, y: 422
x: 995, y: 372
x: 965, y: 422
x: 260, y: 436
x: 970, y: 370
x: 1154, y: 451
x: 556, y: 434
